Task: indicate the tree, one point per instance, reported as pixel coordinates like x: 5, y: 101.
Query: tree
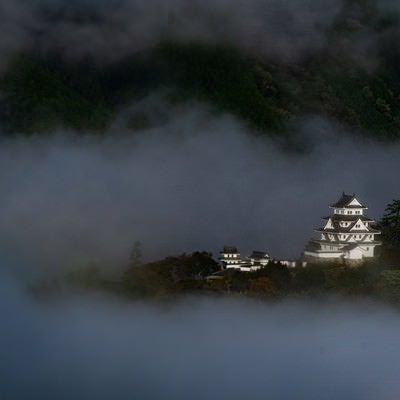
x: 390, y: 224
x: 262, y: 287
x: 168, y: 277
x: 389, y: 285
x: 136, y: 254
x: 390, y: 227
x: 278, y: 273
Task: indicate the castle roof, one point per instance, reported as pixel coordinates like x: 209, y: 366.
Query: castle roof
x: 351, y: 246
x: 312, y: 245
x: 259, y: 254
x: 230, y: 250
x: 345, y: 201
x: 347, y: 229
x: 349, y: 218
x: 351, y: 234
x: 345, y: 241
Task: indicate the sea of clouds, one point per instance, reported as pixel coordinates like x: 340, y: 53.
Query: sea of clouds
x: 194, y: 182
x: 110, y: 30
x: 94, y: 347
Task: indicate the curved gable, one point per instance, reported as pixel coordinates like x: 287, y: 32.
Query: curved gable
x: 355, y: 202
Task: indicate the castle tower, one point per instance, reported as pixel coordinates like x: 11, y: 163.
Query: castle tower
x: 229, y: 257
x: 346, y: 236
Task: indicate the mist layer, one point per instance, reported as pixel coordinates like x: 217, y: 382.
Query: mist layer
x: 96, y: 348
x: 195, y: 183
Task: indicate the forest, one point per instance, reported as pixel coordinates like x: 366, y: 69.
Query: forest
x: 192, y: 274
x: 42, y: 91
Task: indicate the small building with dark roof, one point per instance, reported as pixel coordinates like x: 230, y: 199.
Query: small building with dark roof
x: 230, y: 258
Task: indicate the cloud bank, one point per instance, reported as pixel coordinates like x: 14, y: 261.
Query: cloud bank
x: 93, y: 348
x: 195, y: 183
x: 109, y: 30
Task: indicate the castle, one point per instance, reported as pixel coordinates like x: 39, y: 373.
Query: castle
x: 230, y: 258
x: 347, y: 235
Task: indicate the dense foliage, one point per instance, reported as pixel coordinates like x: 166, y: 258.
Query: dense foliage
x: 188, y: 274
x: 360, y: 91
x: 390, y: 227
x: 169, y: 277
x: 38, y: 100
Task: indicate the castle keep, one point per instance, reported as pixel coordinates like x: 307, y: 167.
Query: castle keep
x: 346, y: 236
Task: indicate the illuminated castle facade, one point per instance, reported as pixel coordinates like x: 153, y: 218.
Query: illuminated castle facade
x: 230, y: 258
x: 346, y: 236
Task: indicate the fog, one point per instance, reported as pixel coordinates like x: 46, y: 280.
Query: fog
x: 194, y: 182
x: 270, y: 30
x: 109, y: 30
x: 96, y: 348
x: 190, y: 181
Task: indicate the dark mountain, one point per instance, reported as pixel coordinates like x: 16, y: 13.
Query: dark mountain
x: 349, y: 80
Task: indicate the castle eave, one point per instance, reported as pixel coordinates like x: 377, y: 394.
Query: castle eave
x: 351, y: 207
x: 348, y: 231
x: 348, y: 218
x: 346, y: 242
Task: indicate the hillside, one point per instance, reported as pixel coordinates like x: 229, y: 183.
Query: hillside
x: 43, y: 92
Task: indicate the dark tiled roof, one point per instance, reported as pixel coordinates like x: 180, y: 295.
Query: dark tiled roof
x: 371, y: 230
x: 346, y: 242
x: 312, y: 246
x: 230, y: 250
x: 259, y: 254
x: 350, y: 218
x: 351, y: 246
x: 347, y: 229
x: 345, y: 200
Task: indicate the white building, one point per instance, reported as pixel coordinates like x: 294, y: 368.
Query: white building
x: 230, y: 258
x: 346, y: 236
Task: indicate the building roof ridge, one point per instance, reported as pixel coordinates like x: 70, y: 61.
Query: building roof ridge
x: 345, y: 200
